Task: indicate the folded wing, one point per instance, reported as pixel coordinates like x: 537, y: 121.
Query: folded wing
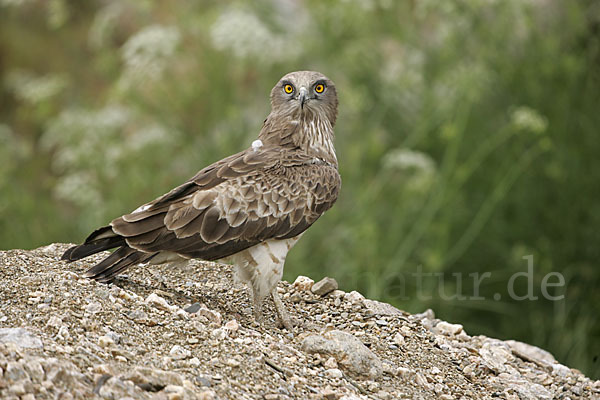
x: 227, y: 207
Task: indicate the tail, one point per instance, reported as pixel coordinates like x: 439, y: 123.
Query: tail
x: 104, y: 239
x: 101, y: 239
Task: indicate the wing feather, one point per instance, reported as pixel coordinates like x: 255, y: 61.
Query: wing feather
x: 234, y: 204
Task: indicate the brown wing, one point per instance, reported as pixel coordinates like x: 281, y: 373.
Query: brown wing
x: 234, y: 204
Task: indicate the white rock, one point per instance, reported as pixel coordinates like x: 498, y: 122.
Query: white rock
x: 330, y: 363
x: 211, y: 315
x: 158, y: 302
x: 21, y: 337
x: 232, y: 325
x: 207, y: 395
x: 219, y: 333
x: 54, y: 322
x: 334, y: 373
x: 179, y: 353
x: 349, y: 351
x: 531, y: 352
x: 94, y: 307
x: 105, y: 341
x: 232, y: 362
x: 448, y: 329
x: 495, y: 354
x: 303, y: 283
x: 194, y: 362
x: 378, y: 308
x: 399, y: 340
x: 63, y: 333
x: 354, y: 297
x: 562, y: 371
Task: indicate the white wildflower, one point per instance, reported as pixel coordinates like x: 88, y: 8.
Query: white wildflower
x: 244, y: 34
x: 527, y: 119
x: 14, y: 3
x: 79, y: 188
x: 407, y: 159
x: 147, y: 53
x: 149, y: 135
x: 104, y: 23
x: 34, y: 89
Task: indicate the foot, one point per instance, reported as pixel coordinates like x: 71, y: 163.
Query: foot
x: 282, y: 312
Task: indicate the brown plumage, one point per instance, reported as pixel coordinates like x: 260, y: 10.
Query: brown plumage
x: 249, y: 208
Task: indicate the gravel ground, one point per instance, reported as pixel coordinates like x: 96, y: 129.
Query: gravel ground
x: 188, y: 333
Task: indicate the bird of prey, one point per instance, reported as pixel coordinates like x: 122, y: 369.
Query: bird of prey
x: 249, y: 208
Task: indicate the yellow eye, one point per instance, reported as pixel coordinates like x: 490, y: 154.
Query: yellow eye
x: 319, y: 88
x: 288, y: 88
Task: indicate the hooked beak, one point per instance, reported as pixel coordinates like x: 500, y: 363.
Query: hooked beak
x: 302, y: 96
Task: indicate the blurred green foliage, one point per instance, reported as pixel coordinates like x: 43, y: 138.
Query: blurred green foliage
x: 468, y: 137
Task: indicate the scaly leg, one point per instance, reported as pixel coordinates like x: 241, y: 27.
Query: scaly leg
x: 284, y: 316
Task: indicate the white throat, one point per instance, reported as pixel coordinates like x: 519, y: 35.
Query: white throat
x: 319, y: 133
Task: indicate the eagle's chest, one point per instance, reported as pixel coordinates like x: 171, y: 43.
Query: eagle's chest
x: 261, y: 266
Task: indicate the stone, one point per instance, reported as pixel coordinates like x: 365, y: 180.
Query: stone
x: 34, y: 369
x: 354, y: 297
x: 349, y: 352
x: 524, y: 388
x: 330, y: 363
x: 329, y: 394
x: 158, y: 302
x: 211, y: 315
x: 193, y: 308
x: 114, y: 336
x: 137, y: 315
x: 448, y: 329
x: 194, y: 362
x: 17, y: 389
x: 324, y: 286
x: 115, y: 388
x: 232, y: 326
x: 105, y: 341
x: 174, y: 392
x: 207, y: 395
x: 179, y: 353
x: 62, y: 371
x: 93, y: 307
x: 398, y: 339
x: 103, y: 369
x: 54, y: 322
x: 375, y: 307
x: 21, y: 337
x: 562, y: 371
x: 334, y: 373
x: 495, y: 354
x: 153, y: 379
x: 14, y: 371
x: 303, y: 283
x: 232, y: 362
x: 530, y: 352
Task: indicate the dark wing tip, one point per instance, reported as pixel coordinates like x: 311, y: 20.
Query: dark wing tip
x: 67, y: 255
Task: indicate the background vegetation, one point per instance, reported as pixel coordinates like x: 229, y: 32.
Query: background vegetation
x: 468, y: 138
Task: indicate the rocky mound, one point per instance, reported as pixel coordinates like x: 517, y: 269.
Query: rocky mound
x: 188, y: 333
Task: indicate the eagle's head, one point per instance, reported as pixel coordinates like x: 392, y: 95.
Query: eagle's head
x: 305, y: 94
